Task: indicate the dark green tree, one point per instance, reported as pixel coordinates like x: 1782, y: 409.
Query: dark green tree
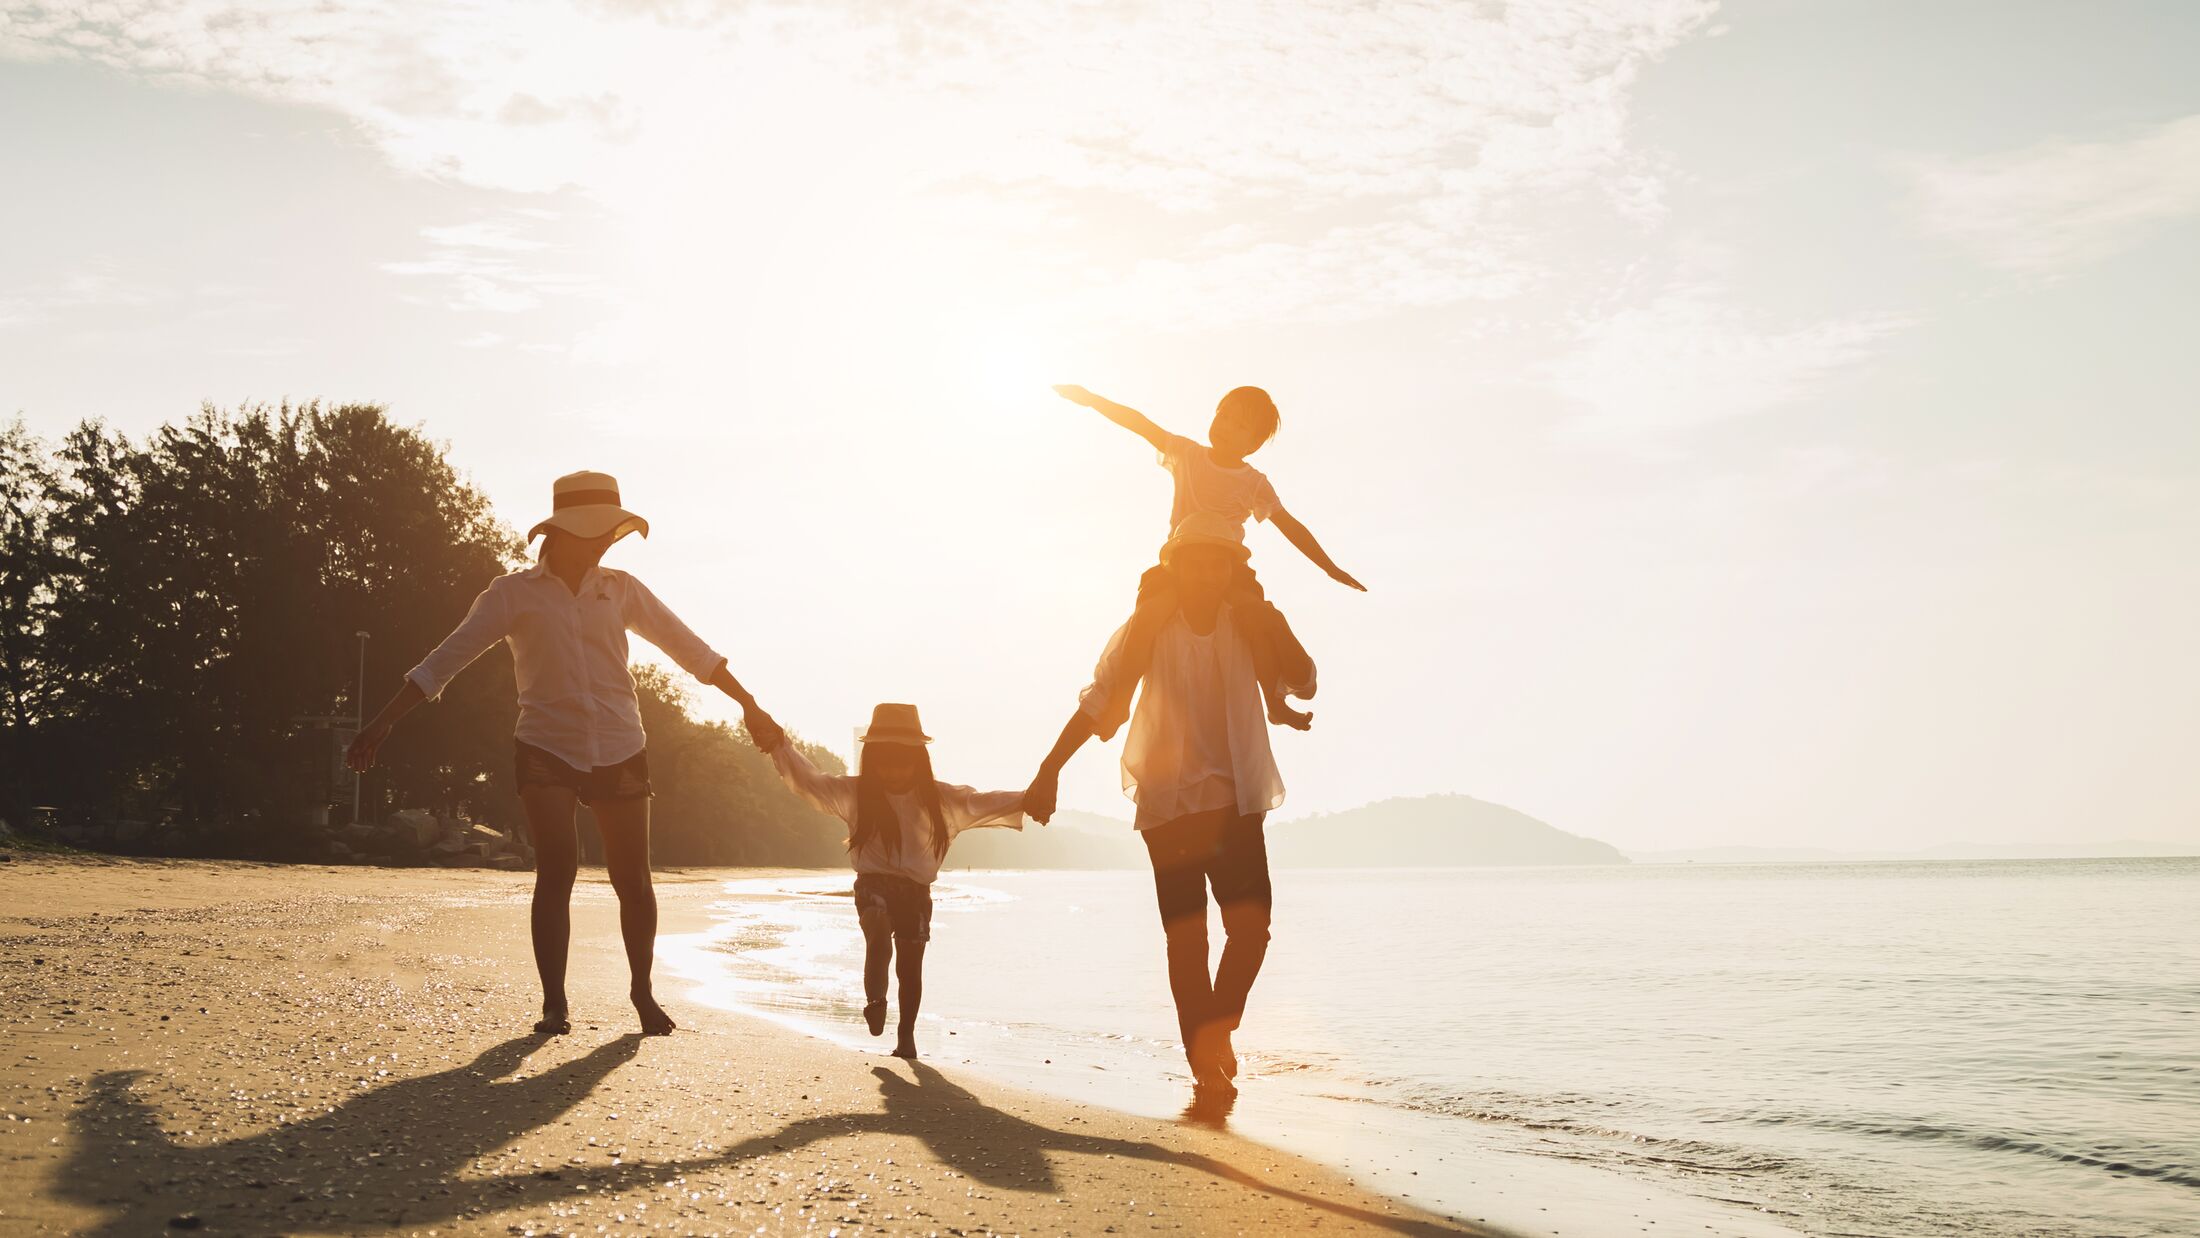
x: 178, y: 628
x: 718, y: 799
x: 29, y: 559
x: 214, y: 579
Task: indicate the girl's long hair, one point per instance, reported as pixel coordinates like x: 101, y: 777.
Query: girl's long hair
x: 875, y: 816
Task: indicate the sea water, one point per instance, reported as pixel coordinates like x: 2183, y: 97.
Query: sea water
x: 2006, y: 1048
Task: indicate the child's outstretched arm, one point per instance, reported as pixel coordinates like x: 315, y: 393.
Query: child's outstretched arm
x: 820, y: 790
x: 1128, y: 418
x: 966, y: 808
x: 1303, y: 538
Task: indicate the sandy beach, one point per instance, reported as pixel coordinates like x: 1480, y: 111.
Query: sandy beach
x: 235, y: 1048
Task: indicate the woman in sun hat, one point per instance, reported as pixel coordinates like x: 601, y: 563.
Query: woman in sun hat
x: 579, y: 739
x: 900, y: 822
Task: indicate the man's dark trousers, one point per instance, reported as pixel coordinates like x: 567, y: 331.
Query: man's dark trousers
x: 1229, y: 852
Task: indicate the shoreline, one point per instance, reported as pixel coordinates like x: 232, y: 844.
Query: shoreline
x: 238, y: 1047
x: 1473, y: 1173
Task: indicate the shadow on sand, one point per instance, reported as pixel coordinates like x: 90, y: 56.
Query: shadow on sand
x: 393, y: 1155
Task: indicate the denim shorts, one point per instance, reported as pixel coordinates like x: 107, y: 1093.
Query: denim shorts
x: 897, y: 905
x: 628, y: 780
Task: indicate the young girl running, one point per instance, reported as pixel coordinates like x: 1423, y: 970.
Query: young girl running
x: 900, y: 822
x: 579, y: 737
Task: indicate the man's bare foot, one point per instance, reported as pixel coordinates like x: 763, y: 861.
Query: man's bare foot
x: 905, y: 1045
x: 874, y: 1016
x: 655, y: 1022
x: 553, y: 1021
x: 1225, y: 1055
x: 1281, y: 714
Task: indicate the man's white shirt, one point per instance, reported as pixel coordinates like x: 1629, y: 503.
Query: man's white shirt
x: 1198, y: 740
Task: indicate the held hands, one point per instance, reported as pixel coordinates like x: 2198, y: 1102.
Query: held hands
x: 1039, y: 797
x: 360, y: 755
x: 764, y: 731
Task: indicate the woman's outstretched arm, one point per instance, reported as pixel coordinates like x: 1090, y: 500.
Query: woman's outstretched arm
x: 360, y: 755
x: 655, y: 623
x: 485, y: 624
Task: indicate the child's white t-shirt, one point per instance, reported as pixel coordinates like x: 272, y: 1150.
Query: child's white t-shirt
x: 909, y: 855
x: 1204, y: 486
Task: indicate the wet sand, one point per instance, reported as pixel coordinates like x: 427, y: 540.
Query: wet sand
x: 232, y: 1048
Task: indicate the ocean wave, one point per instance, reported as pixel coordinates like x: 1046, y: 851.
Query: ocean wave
x: 1586, y: 1117
x: 1587, y: 1127
x: 2119, y: 1162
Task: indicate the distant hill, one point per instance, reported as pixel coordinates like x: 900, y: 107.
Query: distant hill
x: 1071, y: 840
x: 1430, y: 831
x: 1424, y: 832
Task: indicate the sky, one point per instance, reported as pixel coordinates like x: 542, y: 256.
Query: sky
x: 1757, y: 423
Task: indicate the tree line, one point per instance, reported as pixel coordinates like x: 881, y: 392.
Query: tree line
x: 178, y: 619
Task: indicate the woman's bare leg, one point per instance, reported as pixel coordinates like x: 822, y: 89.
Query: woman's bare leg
x: 550, y: 918
x: 624, y: 825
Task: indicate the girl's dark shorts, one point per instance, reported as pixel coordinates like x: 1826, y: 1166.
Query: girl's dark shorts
x: 628, y: 780
x: 897, y: 905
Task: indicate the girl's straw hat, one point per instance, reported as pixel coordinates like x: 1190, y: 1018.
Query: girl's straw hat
x: 586, y: 505
x: 894, y: 724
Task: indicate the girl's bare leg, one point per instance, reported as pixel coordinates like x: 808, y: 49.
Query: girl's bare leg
x: 878, y: 955
x: 909, y: 970
x: 550, y: 918
x: 624, y: 825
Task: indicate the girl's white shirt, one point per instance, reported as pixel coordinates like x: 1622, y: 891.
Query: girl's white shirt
x: 908, y: 852
x: 1204, y: 486
x: 576, y: 696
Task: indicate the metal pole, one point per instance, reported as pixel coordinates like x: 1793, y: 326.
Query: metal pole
x: 359, y: 722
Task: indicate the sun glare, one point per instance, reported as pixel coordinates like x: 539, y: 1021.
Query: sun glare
x: 1008, y: 368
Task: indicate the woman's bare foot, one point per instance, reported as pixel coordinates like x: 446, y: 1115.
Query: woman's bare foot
x: 1225, y: 1055
x: 905, y: 1045
x: 874, y: 1016
x: 655, y: 1022
x: 553, y: 1021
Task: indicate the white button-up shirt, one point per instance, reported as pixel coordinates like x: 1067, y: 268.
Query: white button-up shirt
x: 1198, y: 740
x: 576, y: 697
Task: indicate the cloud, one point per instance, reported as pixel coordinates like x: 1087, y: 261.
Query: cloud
x: 97, y: 287
x: 488, y: 265
x: 2059, y: 205
x: 1690, y: 357
x: 1380, y: 155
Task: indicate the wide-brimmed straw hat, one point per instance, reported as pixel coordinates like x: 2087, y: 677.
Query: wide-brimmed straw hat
x: 586, y: 505
x: 1206, y: 529
x: 894, y: 724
